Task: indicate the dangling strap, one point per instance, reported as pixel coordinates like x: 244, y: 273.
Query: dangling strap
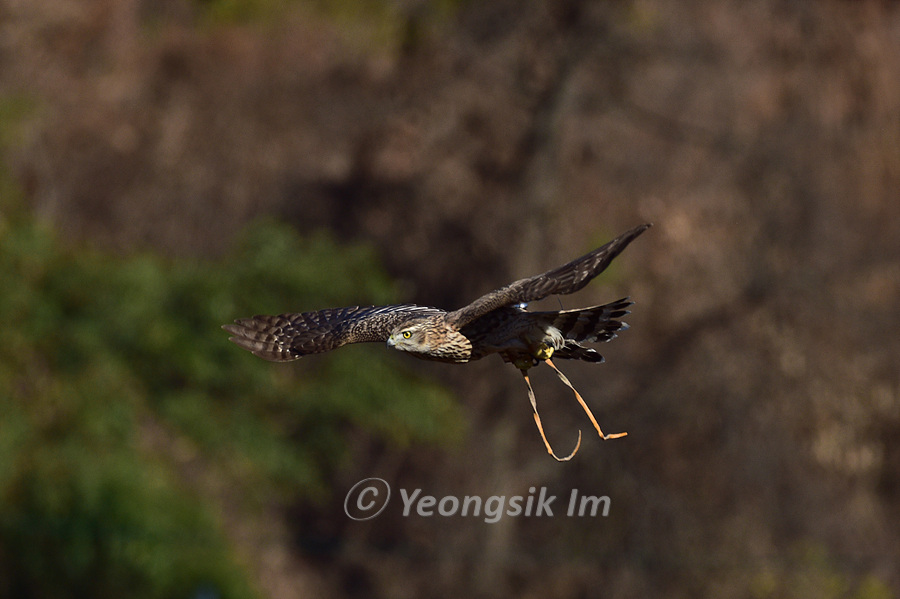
x: 587, y: 410
x: 537, y: 421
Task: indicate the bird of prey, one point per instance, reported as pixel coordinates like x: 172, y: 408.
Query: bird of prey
x: 495, y: 323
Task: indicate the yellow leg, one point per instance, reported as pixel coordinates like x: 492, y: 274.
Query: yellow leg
x: 540, y: 427
x: 587, y: 410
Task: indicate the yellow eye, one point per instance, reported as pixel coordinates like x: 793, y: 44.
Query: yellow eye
x: 407, y: 334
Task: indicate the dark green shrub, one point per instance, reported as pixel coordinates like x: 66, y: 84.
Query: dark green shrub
x: 111, y: 367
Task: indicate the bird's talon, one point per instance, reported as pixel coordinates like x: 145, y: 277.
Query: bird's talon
x: 543, y: 352
x: 523, y: 363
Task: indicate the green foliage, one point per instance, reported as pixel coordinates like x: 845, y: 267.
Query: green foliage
x: 372, y: 25
x: 243, y: 11
x: 811, y: 572
x: 100, y: 353
x: 15, y: 112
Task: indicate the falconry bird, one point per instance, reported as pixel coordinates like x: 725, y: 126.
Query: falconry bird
x: 495, y: 323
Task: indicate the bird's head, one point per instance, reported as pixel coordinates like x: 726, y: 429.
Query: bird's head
x: 410, y: 337
x: 432, y: 340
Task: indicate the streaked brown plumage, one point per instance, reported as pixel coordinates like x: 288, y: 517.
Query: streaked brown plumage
x: 494, y: 323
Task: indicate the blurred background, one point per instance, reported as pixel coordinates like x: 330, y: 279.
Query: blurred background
x: 167, y: 166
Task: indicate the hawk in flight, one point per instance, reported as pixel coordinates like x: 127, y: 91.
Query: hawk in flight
x: 496, y: 323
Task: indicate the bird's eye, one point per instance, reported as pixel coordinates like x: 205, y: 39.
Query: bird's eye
x: 407, y: 334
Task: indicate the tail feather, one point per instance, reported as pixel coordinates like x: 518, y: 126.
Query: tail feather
x: 589, y: 325
x: 573, y: 350
x: 594, y: 324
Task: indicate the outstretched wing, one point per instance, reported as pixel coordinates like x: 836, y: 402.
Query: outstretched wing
x: 291, y: 336
x: 568, y: 278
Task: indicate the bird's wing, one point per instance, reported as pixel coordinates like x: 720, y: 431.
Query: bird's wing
x: 567, y: 278
x: 290, y: 336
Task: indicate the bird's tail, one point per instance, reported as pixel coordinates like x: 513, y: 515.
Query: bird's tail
x: 589, y: 325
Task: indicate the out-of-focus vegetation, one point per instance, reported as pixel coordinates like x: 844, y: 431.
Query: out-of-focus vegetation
x: 100, y: 352
x: 373, y: 25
